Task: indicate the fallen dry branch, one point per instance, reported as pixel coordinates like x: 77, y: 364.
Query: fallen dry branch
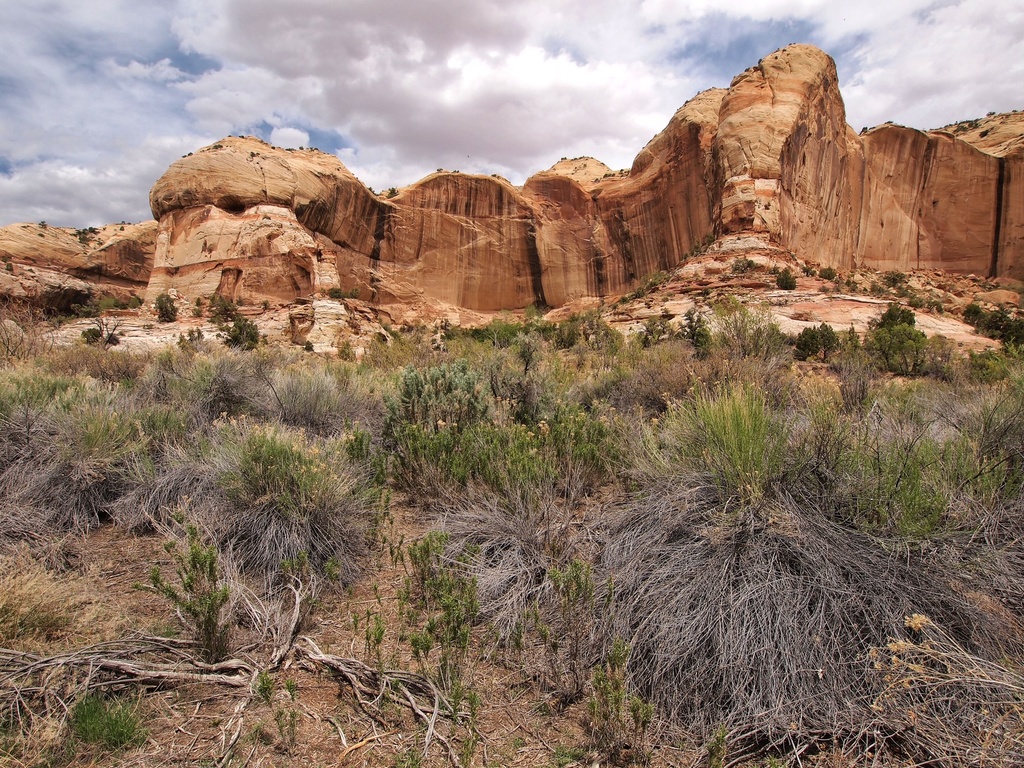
x: 370, y: 686
x: 146, y: 662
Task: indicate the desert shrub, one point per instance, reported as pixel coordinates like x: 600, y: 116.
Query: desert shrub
x: 447, y: 396
x: 897, y: 481
x: 222, y: 311
x: 206, y: 386
x: 280, y: 496
x: 501, y: 332
x: 696, y: 330
x: 619, y: 721
x: 732, y: 438
x: 103, y: 332
x: 899, y: 349
x: 856, y: 375
x: 589, y: 330
x: 894, y: 279
x: 572, y: 450
x: 1000, y: 323
x: 742, y: 332
x: 447, y: 591
x: 987, y: 366
x: 742, y: 265
x: 311, y: 400
x: 650, y: 381
x: 514, y: 540
x: 166, y: 310
x: 24, y: 331
x: 521, y: 387
x: 111, y: 723
x: 786, y: 280
x: 807, y: 344
x: 655, y: 330
x: 814, y: 341
x: 893, y: 316
x: 763, y: 620
x: 323, y: 401
x: 827, y: 273
x: 242, y: 334
x: 200, y: 595
x: 69, y: 468
x: 111, y: 366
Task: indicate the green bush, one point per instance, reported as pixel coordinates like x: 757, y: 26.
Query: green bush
x: 895, y: 343
x: 827, y: 273
x: 743, y: 333
x: 200, y: 597
x: 242, y: 334
x: 166, y: 310
x: 697, y: 331
x: 786, y: 280
x: 900, y: 349
x: 450, y: 396
x: 277, y: 497
x: 111, y: 723
x: 733, y: 438
x: 222, y: 311
x: 814, y: 341
x: 618, y: 721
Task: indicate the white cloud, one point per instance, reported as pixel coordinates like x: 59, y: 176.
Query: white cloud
x: 293, y: 138
x: 96, y: 99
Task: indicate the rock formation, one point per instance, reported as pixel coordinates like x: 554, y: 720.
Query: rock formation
x: 768, y: 163
x: 57, y: 267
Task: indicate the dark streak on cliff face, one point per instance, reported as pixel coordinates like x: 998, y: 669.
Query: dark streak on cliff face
x: 533, y: 255
x: 997, y: 235
x: 381, y: 229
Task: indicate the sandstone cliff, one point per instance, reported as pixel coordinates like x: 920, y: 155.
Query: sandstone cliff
x: 57, y: 267
x: 769, y: 163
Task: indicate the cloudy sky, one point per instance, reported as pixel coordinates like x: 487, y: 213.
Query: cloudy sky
x: 98, y: 97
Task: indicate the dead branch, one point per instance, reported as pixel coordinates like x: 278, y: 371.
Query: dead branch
x: 421, y: 696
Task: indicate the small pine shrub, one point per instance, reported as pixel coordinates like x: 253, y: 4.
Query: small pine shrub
x: 697, y: 331
x: 200, y: 597
x: 242, y: 334
x: 618, y: 721
x: 166, y: 310
x: 828, y: 273
x: 786, y: 280
x: 743, y: 265
x: 222, y: 311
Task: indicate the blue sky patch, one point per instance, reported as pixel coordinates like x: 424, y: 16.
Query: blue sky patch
x: 727, y: 46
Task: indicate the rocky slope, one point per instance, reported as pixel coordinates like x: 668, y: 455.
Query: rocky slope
x: 768, y: 166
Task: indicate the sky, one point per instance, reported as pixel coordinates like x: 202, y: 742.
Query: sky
x: 99, y: 97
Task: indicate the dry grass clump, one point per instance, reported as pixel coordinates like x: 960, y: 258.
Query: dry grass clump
x: 516, y: 539
x: 65, y: 466
x: 25, y: 332
x: 206, y: 386
x: 650, y: 380
x: 108, y: 365
x: 263, y: 496
x: 35, y: 605
x: 324, y: 401
x: 766, y: 619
